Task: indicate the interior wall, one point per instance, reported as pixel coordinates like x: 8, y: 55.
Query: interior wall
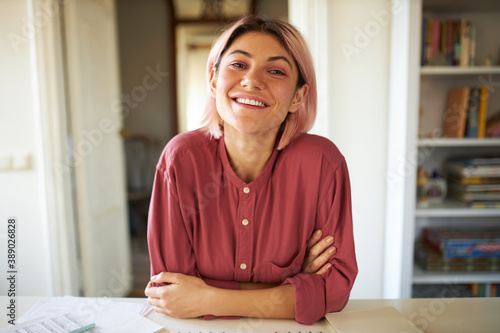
x: 144, y: 64
x: 352, y: 68
x: 21, y: 178
x: 360, y: 40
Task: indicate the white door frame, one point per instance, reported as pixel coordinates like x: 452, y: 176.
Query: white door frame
x: 402, y: 148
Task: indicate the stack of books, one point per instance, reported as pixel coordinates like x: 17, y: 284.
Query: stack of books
x: 474, y: 181
x: 466, y: 249
x: 448, y: 42
x: 465, y: 114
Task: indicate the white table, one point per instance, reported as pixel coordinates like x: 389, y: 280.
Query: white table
x: 432, y: 315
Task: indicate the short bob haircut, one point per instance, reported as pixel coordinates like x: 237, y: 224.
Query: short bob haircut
x: 295, y: 123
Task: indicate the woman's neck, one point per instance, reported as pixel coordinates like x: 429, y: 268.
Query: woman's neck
x: 248, y: 154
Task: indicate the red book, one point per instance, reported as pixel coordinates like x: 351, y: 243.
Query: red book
x: 455, y: 116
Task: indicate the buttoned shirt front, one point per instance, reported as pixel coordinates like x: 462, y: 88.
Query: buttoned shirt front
x: 207, y: 222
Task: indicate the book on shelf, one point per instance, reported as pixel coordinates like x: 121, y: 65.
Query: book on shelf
x: 474, y: 167
x: 455, y: 117
x: 474, y: 181
x: 484, y: 289
x: 465, y: 42
x: 465, y: 113
x: 431, y: 260
x: 470, y: 193
x: 482, y: 111
x: 463, y: 242
x: 472, y: 113
x: 448, y: 42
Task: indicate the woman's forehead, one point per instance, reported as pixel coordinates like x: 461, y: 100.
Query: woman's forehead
x: 257, y: 42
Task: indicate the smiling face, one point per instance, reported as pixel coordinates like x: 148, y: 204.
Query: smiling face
x: 255, y: 86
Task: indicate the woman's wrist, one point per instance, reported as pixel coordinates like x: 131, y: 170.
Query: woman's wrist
x: 209, y: 299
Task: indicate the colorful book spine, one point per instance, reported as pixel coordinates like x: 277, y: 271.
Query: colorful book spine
x: 494, y: 290
x: 472, y: 49
x: 456, y: 43
x: 464, y: 243
x: 455, y: 117
x: 474, y: 288
x: 473, y: 113
x: 449, y: 43
x: 482, y: 111
x: 464, y: 43
x: 436, y: 27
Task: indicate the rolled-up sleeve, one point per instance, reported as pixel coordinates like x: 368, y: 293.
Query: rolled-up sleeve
x: 316, y: 295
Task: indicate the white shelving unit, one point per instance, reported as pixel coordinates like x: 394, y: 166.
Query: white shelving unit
x: 417, y: 102
x: 448, y: 70
x: 444, y: 142
x: 450, y: 208
x: 433, y: 85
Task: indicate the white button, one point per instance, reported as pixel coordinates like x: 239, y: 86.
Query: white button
x: 244, y: 222
x: 246, y: 190
x: 243, y: 266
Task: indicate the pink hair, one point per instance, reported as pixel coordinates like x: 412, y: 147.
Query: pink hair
x: 295, y: 123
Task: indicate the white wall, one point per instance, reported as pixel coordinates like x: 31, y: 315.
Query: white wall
x: 21, y: 191
x: 355, y: 73
x: 360, y: 89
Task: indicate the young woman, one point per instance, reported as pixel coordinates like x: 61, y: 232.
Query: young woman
x: 245, y: 211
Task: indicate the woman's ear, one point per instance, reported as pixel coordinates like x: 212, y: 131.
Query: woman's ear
x: 212, y: 81
x: 300, y: 95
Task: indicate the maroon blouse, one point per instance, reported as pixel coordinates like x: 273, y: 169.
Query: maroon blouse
x: 207, y: 222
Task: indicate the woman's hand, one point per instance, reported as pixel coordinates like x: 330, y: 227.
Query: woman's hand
x: 184, y: 296
x: 319, y: 251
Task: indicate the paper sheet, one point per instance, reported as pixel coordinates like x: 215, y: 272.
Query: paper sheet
x: 70, y: 303
x: 375, y: 320
x: 60, y: 323
x: 56, y: 314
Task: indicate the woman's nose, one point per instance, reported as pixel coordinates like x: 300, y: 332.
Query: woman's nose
x: 252, y: 80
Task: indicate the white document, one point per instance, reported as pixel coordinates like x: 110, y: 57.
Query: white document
x: 61, y: 323
x: 70, y: 303
x: 376, y: 320
x: 57, y: 314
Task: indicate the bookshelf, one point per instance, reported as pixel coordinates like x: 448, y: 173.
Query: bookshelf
x: 422, y: 91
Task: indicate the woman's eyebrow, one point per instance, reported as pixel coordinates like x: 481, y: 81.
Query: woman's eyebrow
x: 280, y: 58
x: 268, y: 59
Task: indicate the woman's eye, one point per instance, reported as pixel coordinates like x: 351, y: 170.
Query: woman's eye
x: 276, y: 71
x: 237, y: 65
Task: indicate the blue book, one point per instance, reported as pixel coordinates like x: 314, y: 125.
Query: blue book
x: 472, y: 113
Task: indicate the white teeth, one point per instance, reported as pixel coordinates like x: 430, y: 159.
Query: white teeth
x: 250, y: 102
